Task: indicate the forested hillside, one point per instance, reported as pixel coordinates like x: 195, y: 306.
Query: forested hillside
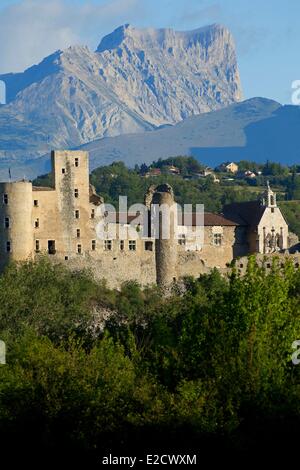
x: 92, y: 371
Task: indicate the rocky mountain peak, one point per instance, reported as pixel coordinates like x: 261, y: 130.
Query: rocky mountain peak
x: 137, y: 80
x: 164, y: 38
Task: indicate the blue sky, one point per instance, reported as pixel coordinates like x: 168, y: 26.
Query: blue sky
x: 266, y: 32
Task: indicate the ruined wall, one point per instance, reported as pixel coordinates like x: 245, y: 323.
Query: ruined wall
x: 266, y: 260
x: 190, y: 263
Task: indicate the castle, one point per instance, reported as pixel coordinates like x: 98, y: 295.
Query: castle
x: 62, y: 221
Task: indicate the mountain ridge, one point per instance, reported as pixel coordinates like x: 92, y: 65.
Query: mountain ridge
x: 150, y: 78
x: 257, y: 129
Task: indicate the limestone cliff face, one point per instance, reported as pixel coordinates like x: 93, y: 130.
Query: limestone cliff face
x: 136, y: 80
x: 168, y: 75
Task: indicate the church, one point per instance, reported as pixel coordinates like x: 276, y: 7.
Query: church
x: 267, y: 230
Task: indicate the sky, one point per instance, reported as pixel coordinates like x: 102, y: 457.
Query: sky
x: 266, y: 32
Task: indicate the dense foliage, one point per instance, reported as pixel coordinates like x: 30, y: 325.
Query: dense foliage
x: 92, y: 370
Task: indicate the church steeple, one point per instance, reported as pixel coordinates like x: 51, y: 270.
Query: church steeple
x: 268, y: 198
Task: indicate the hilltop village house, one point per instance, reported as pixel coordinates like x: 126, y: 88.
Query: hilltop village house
x: 62, y: 221
x: 229, y: 167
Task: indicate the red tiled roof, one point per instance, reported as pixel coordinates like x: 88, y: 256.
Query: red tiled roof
x: 210, y: 219
x: 245, y: 213
x: 216, y: 219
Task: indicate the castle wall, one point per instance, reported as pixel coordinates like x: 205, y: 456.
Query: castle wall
x: 190, y: 263
x: 266, y: 260
x: 118, y: 267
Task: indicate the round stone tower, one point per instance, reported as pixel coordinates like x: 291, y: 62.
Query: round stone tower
x: 165, y: 215
x: 16, y: 230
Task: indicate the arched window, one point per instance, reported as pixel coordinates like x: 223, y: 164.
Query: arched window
x: 2, y: 92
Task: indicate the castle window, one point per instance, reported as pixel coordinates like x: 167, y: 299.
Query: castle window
x: 77, y: 214
x: 93, y: 245
x: 296, y: 265
x: 36, y: 203
x: 63, y: 170
x: 181, y: 239
x: 76, y: 161
x: 76, y: 193
x: 8, y: 247
x: 5, y: 198
x: 241, y: 265
x: 268, y: 265
x: 132, y: 245
x: 107, y: 245
x: 51, y: 247
x: 37, y: 246
x: 79, y: 249
x: 148, y: 246
x: 78, y: 233
x: 217, y: 239
x: 66, y: 258
x: 272, y: 210
x: 37, y: 223
x: 93, y: 214
x: 6, y: 222
x: 122, y: 245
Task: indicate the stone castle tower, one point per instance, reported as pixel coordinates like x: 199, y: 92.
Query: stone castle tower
x: 16, y: 231
x: 165, y: 214
x: 54, y: 220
